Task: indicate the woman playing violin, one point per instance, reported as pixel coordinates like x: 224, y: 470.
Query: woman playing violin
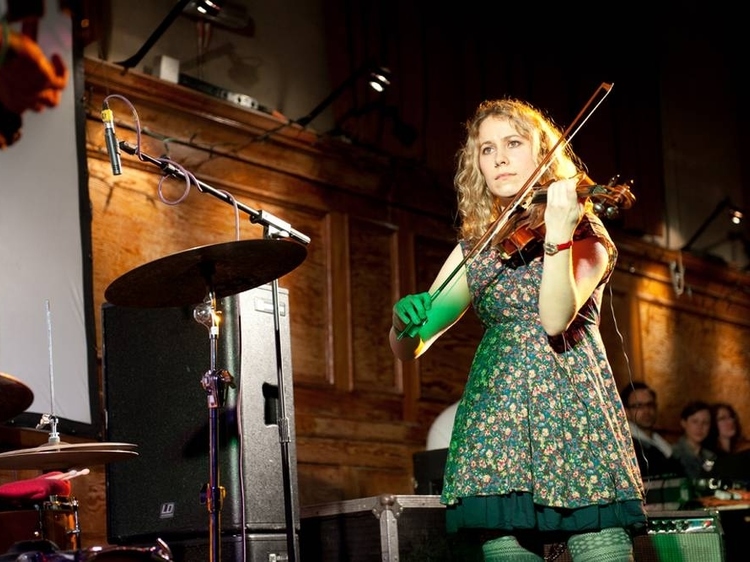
x: 540, y: 450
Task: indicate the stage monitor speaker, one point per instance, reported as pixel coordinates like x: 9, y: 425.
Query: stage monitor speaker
x: 429, y: 467
x: 154, y: 360
x: 263, y: 547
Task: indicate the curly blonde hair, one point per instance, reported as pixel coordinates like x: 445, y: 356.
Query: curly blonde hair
x: 478, y: 208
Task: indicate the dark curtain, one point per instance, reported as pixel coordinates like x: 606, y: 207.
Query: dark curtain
x: 445, y: 59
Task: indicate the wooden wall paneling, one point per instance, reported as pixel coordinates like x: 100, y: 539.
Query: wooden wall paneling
x: 694, y: 356
x: 371, y: 259
x: 691, y: 345
x: 91, y: 493
x: 308, y: 286
x: 633, y: 340
x: 441, y: 372
x: 402, y: 283
x: 444, y: 367
x: 620, y: 330
x: 360, y: 452
x: 370, y: 456
x: 339, y: 309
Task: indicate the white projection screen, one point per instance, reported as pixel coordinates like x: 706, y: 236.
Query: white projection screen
x: 47, y: 336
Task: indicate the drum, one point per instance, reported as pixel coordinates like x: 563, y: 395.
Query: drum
x: 41, y: 550
x: 158, y: 553
x: 54, y: 520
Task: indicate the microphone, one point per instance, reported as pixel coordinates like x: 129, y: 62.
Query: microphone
x: 110, y: 138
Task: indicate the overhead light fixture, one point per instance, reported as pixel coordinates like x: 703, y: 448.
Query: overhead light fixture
x: 379, y: 78
x: 232, y: 16
x: 229, y: 14
x: 209, y: 8
x: 735, y: 214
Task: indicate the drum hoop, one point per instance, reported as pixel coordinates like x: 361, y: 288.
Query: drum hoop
x: 57, y: 502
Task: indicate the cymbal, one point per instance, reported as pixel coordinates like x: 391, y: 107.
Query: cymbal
x: 185, y: 278
x: 66, y: 455
x: 15, y: 397
x: 63, y: 446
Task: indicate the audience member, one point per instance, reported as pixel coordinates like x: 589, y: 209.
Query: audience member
x: 654, y: 453
x: 696, y: 459
x: 725, y: 436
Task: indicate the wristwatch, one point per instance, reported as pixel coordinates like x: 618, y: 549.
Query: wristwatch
x: 551, y: 249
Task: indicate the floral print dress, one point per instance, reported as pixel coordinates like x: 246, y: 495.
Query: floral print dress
x: 540, y: 429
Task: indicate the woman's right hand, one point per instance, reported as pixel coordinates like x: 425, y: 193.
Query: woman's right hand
x: 411, y: 311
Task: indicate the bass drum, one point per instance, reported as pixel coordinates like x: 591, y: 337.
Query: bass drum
x: 54, y: 520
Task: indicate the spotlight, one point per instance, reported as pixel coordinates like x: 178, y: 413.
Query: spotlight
x: 735, y: 214
x: 204, y: 9
x: 209, y: 8
x: 380, y: 79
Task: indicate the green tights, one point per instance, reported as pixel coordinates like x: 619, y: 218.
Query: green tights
x: 607, y: 545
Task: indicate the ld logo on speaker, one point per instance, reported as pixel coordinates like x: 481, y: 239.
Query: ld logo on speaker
x: 167, y: 510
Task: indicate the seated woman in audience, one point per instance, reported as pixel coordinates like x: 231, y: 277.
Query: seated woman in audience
x: 725, y: 436
x: 696, y: 459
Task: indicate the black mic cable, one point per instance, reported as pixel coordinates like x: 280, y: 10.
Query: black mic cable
x: 113, y: 150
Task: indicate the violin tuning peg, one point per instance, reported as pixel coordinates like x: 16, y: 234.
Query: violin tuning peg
x: 612, y: 212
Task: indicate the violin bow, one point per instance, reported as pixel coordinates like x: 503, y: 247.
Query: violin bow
x: 567, y: 136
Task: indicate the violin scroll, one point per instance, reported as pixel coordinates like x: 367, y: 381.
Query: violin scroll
x: 607, y: 199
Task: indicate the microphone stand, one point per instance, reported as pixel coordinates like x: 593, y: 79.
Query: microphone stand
x: 280, y: 228
x: 283, y: 425
x: 273, y: 227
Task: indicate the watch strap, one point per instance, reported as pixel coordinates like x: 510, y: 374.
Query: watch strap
x: 551, y: 249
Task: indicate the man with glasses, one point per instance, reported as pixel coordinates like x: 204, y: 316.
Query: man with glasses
x: 654, y: 453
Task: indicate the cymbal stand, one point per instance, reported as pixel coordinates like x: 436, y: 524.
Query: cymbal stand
x: 215, y: 383
x: 50, y: 419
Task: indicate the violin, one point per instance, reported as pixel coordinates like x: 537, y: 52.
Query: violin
x: 526, y: 229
